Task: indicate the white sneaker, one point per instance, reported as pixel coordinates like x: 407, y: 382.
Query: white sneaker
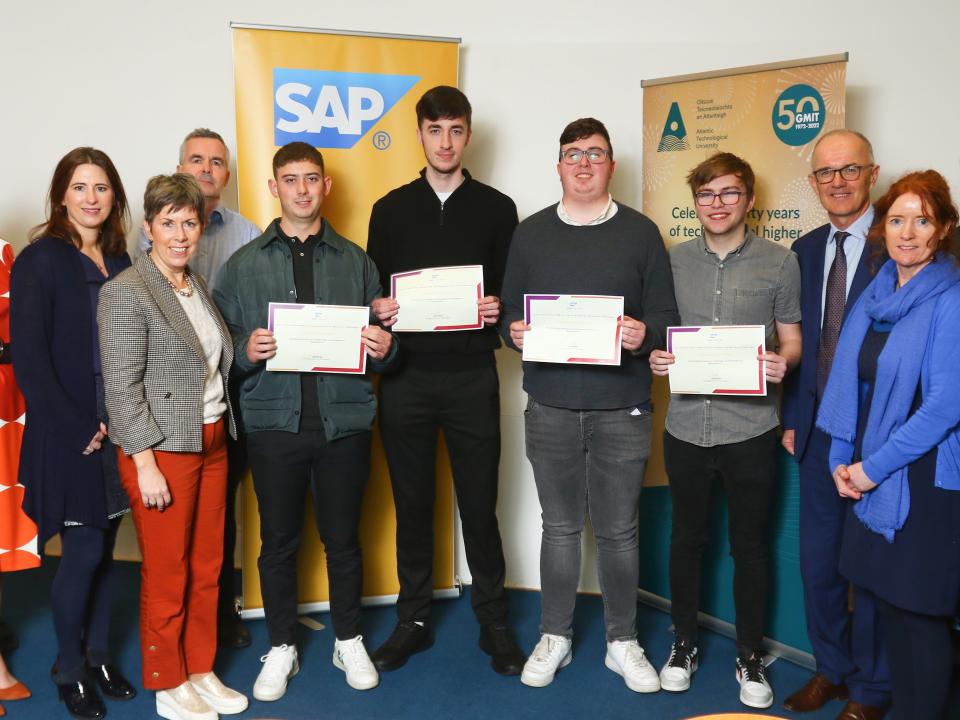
x: 755, y: 691
x: 183, y: 703
x: 626, y: 658
x: 351, y: 657
x: 551, y: 653
x: 279, y: 665
x: 224, y: 700
x: 683, y: 662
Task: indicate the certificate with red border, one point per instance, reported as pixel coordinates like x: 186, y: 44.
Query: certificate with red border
x: 717, y: 360
x: 439, y: 299
x: 318, y: 338
x: 573, y: 329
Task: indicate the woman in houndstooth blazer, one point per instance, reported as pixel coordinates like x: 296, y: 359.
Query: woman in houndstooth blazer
x: 166, y: 356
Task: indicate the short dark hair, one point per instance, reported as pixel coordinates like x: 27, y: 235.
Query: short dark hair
x: 113, y: 232
x: 584, y: 128
x: 177, y: 191
x: 443, y: 101
x: 296, y: 152
x: 718, y: 165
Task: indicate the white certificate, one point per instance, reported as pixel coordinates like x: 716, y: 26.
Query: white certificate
x: 318, y: 338
x: 578, y: 329
x: 717, y: 360
x: 438, y: 299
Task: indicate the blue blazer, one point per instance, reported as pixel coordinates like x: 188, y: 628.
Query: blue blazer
x: 51, y: 336
x: 800, y: 390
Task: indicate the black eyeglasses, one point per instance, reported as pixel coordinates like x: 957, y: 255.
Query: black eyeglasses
x: 849, y: 172
x: 595, y: 156
x: 727, y: 197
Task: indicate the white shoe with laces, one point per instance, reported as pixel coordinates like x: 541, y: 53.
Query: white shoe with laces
x: 627, y: 659
x: 680, y: 666
x: 755, y: 690
x: 551, y: 653
x: 279, y: 665
x: 351, y: 657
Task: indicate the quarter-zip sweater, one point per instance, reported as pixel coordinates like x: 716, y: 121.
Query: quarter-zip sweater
x: 411, y: 229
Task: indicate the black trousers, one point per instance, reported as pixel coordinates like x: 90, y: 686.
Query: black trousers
x: 414, y: 404
x: 920, y: 649
x: 748, y: 471
x: 237, y: 467
x: 285, y: 466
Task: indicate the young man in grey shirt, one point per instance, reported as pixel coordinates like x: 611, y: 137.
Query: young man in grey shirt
x: 727, y: 276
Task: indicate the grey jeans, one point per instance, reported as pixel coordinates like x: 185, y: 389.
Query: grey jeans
x: 588, y: 461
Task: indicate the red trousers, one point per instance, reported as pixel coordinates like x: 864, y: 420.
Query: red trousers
x: 182, y: 551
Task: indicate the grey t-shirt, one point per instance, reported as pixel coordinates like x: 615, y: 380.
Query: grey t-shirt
x: 756, y: 284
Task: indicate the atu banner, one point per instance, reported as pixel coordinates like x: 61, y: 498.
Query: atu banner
x: 353, y: 97
x: 770, y: 115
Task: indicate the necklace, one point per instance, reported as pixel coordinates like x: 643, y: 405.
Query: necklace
x: 183, y: 292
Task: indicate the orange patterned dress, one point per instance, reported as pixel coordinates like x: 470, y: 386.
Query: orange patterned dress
x: 18, y: 534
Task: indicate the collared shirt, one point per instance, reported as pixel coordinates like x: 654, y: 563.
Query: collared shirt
x: 608, y: 212
x: 853, y: 248
x: 227, y: 232
x: 756, y: 284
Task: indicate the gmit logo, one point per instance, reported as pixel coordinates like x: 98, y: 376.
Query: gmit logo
x: 332, y: 109
x: 674, y: 135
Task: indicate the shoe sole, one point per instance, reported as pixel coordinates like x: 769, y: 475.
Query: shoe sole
x: 169, y: 712
x: 385, y: 667
x: 650, y: 688
x: 262, y: 697
x: 678, y: 687
x: 222, y: 706
x: 337, y: 663
x: 539, y: 681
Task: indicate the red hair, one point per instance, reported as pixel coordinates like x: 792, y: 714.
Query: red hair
x: 934, y: 193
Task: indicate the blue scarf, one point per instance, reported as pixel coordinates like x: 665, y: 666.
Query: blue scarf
x: 910, y: 310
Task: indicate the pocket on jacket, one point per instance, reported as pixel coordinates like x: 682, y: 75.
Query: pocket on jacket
x: 753, y: 306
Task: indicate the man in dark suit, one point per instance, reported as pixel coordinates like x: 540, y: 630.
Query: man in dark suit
x: 834, y: 268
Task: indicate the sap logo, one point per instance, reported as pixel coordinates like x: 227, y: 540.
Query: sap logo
x: 332, y: 109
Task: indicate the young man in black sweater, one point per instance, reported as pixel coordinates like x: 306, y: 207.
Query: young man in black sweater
x: 447, y: 380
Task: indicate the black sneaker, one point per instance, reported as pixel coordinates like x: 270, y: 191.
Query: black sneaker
x: 683, y: 662
x: 755, y: 691
x: 497, y: 641
x: 406, y: 639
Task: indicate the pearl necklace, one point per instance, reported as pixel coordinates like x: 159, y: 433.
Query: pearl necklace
x: 183, y: 292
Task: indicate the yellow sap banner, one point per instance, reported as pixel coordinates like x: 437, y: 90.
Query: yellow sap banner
x: 771, y: 116
x: 353, y: 97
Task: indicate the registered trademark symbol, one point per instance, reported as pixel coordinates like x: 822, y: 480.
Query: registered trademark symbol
x: 381, y: 140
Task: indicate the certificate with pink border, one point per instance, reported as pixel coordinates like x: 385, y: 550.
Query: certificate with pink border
x: 318, y: 338
x: 440, y: 299
x: 717, y: 360
x: 573, y: 329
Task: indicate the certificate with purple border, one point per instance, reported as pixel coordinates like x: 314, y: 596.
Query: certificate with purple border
x: 572, y: 329
x: 318, y: 338
x: 438, y: 299
x: 717, y: 360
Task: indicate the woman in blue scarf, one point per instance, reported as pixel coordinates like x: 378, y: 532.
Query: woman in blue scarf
x: 892, y: 409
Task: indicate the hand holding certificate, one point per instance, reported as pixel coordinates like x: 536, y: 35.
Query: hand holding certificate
x: 318, y: 338
x: 715, y: 360
x: 438, y: 299
x: 577, y: 329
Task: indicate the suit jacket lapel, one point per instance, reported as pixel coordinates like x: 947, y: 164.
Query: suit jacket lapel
x: 163, y: 295
x: 861, y: 278
x: 226, y: 355
x: 816, y: 282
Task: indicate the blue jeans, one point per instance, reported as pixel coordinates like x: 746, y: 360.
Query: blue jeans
x: 588, y: 461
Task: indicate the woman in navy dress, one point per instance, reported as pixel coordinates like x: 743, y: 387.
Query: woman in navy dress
x: 892, y: 411
x: 67, y: 464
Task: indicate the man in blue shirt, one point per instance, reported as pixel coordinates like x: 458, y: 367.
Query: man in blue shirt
x: 204, y: 154
x: 834, y: 270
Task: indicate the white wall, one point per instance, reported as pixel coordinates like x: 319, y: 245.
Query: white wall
x: 132, y: 78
